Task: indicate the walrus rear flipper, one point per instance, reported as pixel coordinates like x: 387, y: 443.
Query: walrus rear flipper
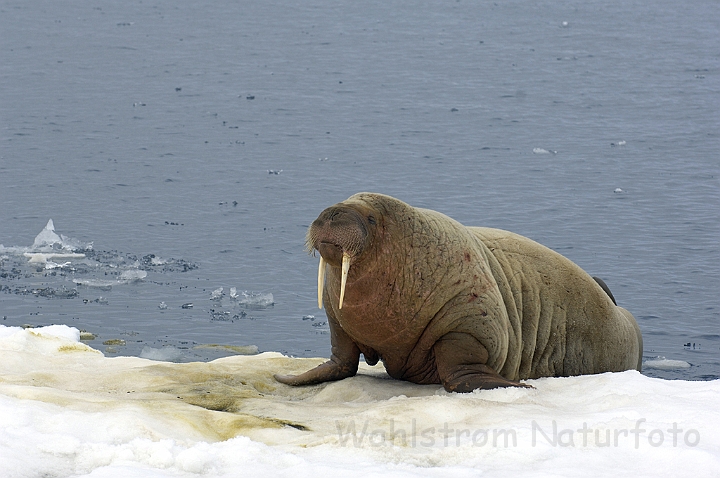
x: 461, y: 364
x: 604, y: 286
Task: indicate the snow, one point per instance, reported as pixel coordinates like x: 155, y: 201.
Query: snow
x: 67, y: 410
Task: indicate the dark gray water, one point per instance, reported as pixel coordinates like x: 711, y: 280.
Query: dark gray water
x: 154, y: 130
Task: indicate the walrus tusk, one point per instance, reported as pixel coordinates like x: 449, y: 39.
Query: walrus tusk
x: 345, y: 269
x: 321, y: 281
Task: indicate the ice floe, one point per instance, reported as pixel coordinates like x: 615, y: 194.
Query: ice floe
x: 66, y: 410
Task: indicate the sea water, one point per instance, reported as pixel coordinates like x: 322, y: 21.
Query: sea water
x: 184, y: 148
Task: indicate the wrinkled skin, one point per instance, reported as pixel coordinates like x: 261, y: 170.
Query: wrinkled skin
x: 469, y: 308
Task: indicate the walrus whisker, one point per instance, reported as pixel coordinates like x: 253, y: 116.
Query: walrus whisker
x: 321, y: 281
x: 343, y: 281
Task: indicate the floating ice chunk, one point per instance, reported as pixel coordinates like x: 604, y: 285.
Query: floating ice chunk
x: 44, y: 257
x: 132, y: 275
x: 234, y: 293
x: 162, y: 306
x: 619, y: 143
x: 49, y: 265
x: 119, y: 342
x: 49, y: 240
x: 618, y: 191
x: 61, y: 292
x: 47, y: 237
x: 97, y: 283
x: 543, y: 151
x: 126, y: 277
x: 49, y: 245
x: 217, y: 294
x: 100, y: 300
x: 256, y: 299
x: 661, y: 363
x: 236, y: 349
x: 87, y: 336
x: 164, y: 354
x: 156, y: 261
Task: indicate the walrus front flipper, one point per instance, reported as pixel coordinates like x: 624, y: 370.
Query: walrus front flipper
x: 604, y: 286
x: 461, y: 364
x: 343, y: 362
x: 327, y: 372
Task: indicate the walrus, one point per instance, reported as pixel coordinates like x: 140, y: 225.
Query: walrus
x: 466, y: 307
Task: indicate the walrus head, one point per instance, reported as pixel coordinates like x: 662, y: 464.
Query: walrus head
x: 340, y: 234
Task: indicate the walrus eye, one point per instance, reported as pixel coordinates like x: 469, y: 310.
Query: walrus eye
x: 371, y: 220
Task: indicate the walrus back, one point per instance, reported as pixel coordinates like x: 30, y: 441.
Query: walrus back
x: 570, y: 325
